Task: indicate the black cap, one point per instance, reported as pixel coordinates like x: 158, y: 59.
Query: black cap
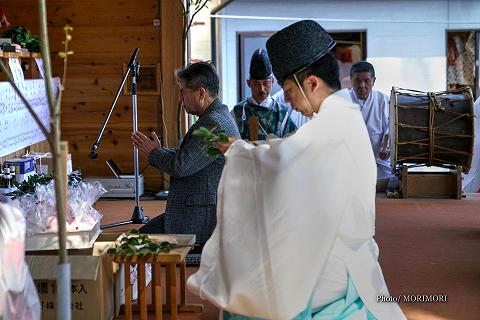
x: 297, y: 46
x: 260, y: 66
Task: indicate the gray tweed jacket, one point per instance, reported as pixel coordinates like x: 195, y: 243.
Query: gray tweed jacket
x: 192, y: 198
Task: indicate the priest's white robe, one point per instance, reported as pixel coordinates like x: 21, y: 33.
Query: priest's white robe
x: 284, y: 208
x: 471, y: 181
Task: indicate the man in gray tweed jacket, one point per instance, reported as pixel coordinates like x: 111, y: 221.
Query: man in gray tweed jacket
x: 192, y: 199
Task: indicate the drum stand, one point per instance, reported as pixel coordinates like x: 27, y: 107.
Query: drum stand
x: 446, y: 184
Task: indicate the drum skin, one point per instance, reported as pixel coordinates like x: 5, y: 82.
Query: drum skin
x: 435, y: 129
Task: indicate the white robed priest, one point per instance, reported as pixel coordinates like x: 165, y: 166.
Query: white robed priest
x: 374, y: 106
x: 296, y: 217
x: 471, y: 181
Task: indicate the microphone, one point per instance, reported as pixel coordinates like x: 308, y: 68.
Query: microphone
x: 93, y: 152
x: 134, y: 57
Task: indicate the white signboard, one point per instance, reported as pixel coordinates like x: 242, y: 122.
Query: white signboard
x: 39, y: 62
x: 17, y: 127
x: 16, y: 70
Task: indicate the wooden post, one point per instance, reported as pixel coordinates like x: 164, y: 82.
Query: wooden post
x: 142, y: 297
x: 167, y: 286
x: 64, y: 283
x: 62, y: 219
x: 34, y: 72
x: 157, y: 290
x: 128, y: 292
x: 182, y: 283
x: 172, y: 275
x: 171, y: 22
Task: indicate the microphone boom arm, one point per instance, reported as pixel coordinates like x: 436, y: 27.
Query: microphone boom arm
x: 93, y: 152
x: 133, y: 67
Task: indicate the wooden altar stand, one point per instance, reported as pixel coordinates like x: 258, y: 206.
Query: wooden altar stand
x: 170, y: 261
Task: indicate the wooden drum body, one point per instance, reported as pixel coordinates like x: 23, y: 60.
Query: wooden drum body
x: 434, y: 129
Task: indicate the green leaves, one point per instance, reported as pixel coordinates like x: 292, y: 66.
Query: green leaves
x: 22, y: 36
x: 18, y: 35
x: 33, y: 44
x: 223, y: 137
x: 210, y: 140
x: 199, y: 4
x: 28, y: 186
x: 141, y: 245
x: 202, y: 133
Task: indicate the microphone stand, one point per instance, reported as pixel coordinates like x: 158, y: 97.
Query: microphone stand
x: 133, y: 68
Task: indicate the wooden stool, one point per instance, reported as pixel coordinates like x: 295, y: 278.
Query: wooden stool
x: 171, y: 260
x: 432, y: 184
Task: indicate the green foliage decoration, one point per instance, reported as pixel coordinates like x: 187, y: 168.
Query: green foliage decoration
x: 22, y: 36
x: 18, y: 35
x: 210, y: 140
x: 33, y: 44
x: 28, y: 186
x: 140, y: 245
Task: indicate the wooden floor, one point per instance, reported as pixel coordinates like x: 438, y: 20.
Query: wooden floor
x: 427, y: 247
x: 430, y: 247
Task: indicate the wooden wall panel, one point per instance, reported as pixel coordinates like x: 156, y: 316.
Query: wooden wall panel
x: 119, y: 39
x: 101, y: 12
x: 104, y: 36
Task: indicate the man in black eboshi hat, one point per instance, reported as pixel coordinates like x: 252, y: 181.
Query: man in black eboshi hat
x: 273, y: 117
x: 303, y: 207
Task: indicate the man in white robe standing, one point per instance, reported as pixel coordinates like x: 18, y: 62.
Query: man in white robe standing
x: 374, y: 106
x: 471, y: 181
x: 296, y: 217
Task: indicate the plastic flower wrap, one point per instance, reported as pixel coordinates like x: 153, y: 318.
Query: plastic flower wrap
x: 41, y: 214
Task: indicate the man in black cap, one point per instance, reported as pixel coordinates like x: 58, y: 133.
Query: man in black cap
x: 273, y: 116
x: 296, y: 216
